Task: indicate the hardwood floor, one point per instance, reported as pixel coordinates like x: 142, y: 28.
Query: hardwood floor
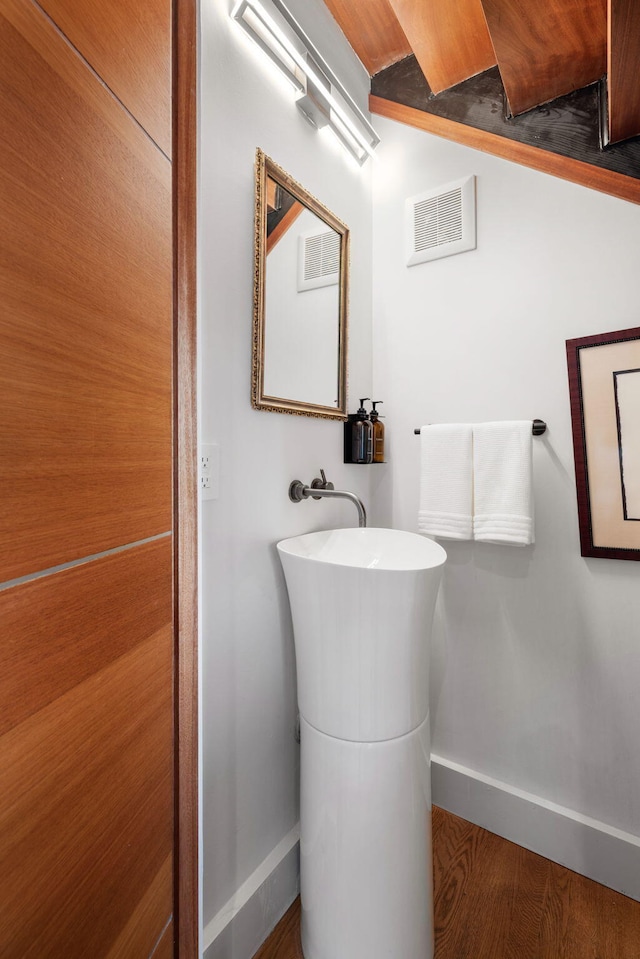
x: 496, y: 900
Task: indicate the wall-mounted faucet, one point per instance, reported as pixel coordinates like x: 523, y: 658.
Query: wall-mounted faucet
x: 321, y: 487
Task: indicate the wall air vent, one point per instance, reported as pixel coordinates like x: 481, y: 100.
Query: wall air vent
x: 318, y: 260
x: 441, y: 221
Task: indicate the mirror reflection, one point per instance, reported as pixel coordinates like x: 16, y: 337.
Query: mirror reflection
x: 300, y: 322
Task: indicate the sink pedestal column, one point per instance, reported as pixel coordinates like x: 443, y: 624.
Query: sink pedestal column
x: 362, y: 604
x: 365, y: 847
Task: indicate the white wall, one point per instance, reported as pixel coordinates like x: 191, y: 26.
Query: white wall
x: 536, y: 659
x: 250, y: 791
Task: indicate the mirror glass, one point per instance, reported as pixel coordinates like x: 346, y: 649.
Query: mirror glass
x: 299, y: 362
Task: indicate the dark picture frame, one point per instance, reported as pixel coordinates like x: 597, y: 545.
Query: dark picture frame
x: 604, y: 389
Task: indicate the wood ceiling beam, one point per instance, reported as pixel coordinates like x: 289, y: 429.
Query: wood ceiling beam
x: 606, y: 181
x: 373, y: 31
x: 450, y: 40
x: 623, y: 59
x: 284, y: 225
x: 549, y: 48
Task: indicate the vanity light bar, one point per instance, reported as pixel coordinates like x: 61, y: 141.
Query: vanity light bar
x: 295, y: 55
x: 256, y: 22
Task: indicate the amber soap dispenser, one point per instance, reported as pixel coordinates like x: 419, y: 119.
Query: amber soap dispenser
x: 377, y: 430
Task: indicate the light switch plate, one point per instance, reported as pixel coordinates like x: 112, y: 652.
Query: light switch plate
x: 209, y: 471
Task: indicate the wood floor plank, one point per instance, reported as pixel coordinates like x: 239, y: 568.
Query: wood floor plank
x: 284, y: 941
x: 495, y: 900
x: 454, y: 855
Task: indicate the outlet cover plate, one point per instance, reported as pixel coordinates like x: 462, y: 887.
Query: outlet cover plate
x: 209, y: 471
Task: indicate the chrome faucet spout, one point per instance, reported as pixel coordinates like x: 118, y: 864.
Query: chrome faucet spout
x: 298, y: 491
x: 341, y: 494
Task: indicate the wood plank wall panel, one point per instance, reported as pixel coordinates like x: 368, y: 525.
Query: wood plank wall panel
x: 165, y: 948
x: 547, y: 49
x: 450, y: 40
x: 149, y: 915
x: 86, y: 808
x: 373, y: 31
x: 129, y: 46
x: 34, y: 670
x: 86, y: 324
x: 623, y: 65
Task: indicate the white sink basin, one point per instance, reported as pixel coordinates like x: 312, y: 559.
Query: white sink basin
x: 387, y: 549
x: 362, y: 604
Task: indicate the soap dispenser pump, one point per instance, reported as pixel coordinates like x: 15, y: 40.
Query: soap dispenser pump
x: 377, y: 429
x: 362, y: 436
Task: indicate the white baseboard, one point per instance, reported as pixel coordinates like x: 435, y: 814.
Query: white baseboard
x: 586, y: 846
x: 241, y: 926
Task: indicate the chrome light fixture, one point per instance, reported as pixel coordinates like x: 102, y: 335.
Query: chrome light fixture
x: 320, y: 95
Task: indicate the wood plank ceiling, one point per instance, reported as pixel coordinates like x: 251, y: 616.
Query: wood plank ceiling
x: 547, y: 49
x: 623, y: 57
x: 543, y: 50
x: 373, y: 31
x: 450, y: 40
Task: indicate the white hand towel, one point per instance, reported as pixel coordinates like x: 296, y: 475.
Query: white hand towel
x: 446, y: 477
x: 503, y: 495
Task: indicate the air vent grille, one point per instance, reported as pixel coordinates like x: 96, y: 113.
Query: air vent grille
x: 438, y: 221
x: 322, y: 255
x: 319, y: 260
x: 441, y: 222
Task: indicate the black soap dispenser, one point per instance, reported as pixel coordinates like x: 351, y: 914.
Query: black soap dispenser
x: 362, y: 436
x: 377, y: 429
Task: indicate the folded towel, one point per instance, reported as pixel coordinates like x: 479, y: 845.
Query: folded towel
x: 446, y: 477
x: 503, y: 496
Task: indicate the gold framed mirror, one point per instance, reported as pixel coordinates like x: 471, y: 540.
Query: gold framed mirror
x: 300, y: 299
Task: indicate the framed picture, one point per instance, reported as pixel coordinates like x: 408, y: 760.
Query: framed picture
x: 604, y: 385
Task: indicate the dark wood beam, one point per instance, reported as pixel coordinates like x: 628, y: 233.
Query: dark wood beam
x: 284, y: 224
x: 561, y: 139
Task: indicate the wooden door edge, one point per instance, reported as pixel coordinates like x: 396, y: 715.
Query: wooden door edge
x: 186, y: 869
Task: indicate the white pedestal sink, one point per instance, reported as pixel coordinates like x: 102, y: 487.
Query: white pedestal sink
x: 362, y: 605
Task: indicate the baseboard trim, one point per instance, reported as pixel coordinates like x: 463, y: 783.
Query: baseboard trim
x: 245, y: 921
x: 587, y: 846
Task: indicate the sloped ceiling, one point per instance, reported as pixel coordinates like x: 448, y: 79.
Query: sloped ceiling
x: 537, y: 51
x: 450, y: 40
x: 373, y: 31
x: 623, y: 69
x: 546, y: 49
